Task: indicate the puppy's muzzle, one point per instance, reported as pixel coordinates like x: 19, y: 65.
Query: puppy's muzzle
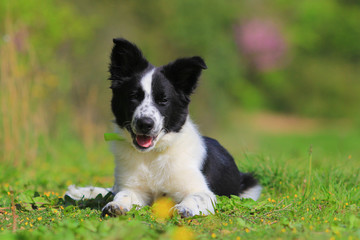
x: 144, y: 125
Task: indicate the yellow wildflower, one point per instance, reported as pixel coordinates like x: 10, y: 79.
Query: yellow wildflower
x: 163, y: 208
x: 182, y: 233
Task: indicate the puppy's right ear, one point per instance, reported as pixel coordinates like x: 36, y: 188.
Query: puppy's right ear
x: 126, y: 60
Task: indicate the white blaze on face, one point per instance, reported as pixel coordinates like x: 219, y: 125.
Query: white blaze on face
x: 147, y: 107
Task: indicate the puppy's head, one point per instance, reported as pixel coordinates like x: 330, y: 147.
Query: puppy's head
x: 149, y: 102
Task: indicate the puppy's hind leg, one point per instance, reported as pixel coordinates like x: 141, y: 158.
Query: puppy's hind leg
x: 79, y: 193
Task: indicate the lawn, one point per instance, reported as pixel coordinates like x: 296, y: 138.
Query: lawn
x: 311, y: 191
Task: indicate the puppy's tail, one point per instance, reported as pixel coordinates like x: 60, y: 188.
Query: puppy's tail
x: 252, y: 189
x: 80, y: 193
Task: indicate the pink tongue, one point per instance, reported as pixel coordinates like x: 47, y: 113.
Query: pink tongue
x: 144, y: 141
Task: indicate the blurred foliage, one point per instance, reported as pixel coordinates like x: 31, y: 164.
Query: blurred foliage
x: 34, y: 80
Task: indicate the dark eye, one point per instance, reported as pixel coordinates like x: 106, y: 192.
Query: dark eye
x: 161, y: 100
x: 137, y: 95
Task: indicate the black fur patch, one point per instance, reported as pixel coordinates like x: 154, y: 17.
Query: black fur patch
x: 222, y: 173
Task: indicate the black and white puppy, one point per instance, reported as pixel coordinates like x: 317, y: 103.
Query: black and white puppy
x: 163, y: 152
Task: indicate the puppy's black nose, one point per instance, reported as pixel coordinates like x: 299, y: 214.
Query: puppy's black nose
x: 144, y: 125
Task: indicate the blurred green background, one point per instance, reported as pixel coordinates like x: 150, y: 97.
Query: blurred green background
x: 276, y: 70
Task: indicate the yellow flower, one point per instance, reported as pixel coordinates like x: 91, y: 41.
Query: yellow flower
x: 182, y: 233
x: 238, y: 238
x: 296, y: 195
x: 213, y: 235
x: 302, y: 218
x: 247, y: 230
x: 163, y: 208
x: 39, y: 218
x: 283, y: 230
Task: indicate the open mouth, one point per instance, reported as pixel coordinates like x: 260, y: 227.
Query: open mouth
x: 144, y: 141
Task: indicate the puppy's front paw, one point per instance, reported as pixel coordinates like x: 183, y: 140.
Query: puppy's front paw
x: 184, y: 211
x: 113, y: 209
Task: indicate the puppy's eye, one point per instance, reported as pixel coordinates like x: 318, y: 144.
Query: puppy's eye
x: 162, y: 101
x: 138, y: 95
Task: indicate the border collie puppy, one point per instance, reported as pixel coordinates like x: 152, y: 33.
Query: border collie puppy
x: 163, y: 153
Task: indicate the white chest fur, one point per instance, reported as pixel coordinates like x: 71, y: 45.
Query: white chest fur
x: 172, y: 168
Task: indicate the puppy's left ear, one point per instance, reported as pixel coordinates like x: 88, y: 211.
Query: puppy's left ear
x: 184, y: 73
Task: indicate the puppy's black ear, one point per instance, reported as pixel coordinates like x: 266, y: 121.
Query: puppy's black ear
x: 126, y: 60
x: 184, y: 73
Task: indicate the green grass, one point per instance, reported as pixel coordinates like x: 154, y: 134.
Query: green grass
x: 291, y: 206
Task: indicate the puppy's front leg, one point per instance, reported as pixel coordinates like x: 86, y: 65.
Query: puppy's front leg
x: 123, y: 202
x: 196, y: 204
